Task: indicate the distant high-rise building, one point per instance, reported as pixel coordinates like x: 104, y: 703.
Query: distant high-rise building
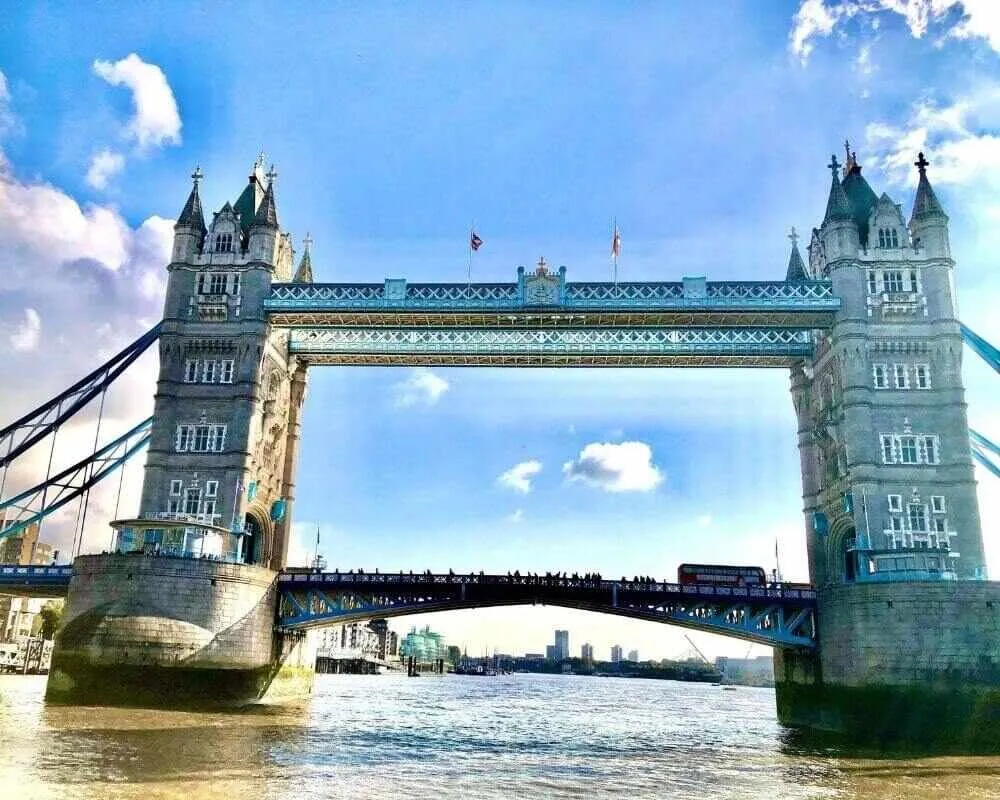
x: 616, y: 654
x: 587, y: 652
x: 24, y: 547
x: 550, y: 652
x: 562, y: 645
x: 633, y: 656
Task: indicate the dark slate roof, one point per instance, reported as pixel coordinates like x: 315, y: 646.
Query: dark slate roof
x: 192, y: 216
x: 304, y: 274
x: 796, y: 268
x: 267, y: 212
x: 862, y: 200
x: 838, y: 207
x: 926, y: 204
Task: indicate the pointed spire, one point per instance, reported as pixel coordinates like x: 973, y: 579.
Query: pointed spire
x: 267, y: 212
x: 192, y: 215
x: 925, y: 204
x: 837, y: 206
x: 304, y: 274
x: 796, y: 268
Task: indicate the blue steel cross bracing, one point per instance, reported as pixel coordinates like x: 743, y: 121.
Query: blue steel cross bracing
x: 36, y: 503
x: 984, y: 349
x: 21, y: 435
x: 774, y: 615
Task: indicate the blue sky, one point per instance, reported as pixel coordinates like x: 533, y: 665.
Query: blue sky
x: 703, y: 128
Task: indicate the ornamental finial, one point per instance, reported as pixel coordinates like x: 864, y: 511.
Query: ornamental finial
x: 542, y: 266
x: 197, y: 175
x: 271, y: 174
x: 794, y: 237
x: 307, y: 242
x: 833, y: 166
x: 921, y: 163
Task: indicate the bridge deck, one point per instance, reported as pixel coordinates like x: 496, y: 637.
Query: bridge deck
x: 28, y: 581
x: 774, y: 615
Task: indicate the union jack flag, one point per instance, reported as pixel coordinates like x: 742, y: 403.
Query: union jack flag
x: 474, y: 241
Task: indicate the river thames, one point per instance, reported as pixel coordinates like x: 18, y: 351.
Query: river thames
x: 518, y: 736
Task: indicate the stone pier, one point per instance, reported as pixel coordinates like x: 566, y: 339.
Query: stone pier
x: 158, y: 631
x: 917, y: 662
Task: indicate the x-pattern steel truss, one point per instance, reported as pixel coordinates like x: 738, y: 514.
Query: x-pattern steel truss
x: 584, y: 346
x: 510, y: 296
x: 777, y: 616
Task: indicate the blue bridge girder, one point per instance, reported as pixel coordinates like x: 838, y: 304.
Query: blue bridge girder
x: 778, y: 616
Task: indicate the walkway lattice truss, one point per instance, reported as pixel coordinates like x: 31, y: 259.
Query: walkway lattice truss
x: 772, y: 616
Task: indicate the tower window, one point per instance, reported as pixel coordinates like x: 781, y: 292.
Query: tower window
x: 881, y: 238
x: 191, y: 371
x: 226, y: 375
x: 895, y: 502
x: 872, y: 282
x: 175, y: 488
x: 908, y: 449
x: 914, y: 283
x: 892, y: 281
x: 201, y: 438
x: 192, y: 500
x: 922, y: 376
x: 211, y: 488
x: 223, y: 243
x: 895, y: 238
x: 937, y: 504
x: 917, y: 516
x: 899, y: 377
x: 879, y: 373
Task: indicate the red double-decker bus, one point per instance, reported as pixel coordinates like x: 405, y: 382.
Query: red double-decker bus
x: 720, y: 575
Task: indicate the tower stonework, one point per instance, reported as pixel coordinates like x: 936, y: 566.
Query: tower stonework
x: 894, y: 538
x: 195, y: 617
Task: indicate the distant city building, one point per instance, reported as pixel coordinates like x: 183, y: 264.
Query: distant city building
x: 19, y: 616
x: 550, y: 652
x: 587, y: 653
x: 534, y: 657
x: 757, y: 671
x: 616, y: 654
x: 633, y: 656
x: 425, y: 646
x: 562, y: 645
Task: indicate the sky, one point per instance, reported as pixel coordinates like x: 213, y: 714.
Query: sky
x: 703, y: 129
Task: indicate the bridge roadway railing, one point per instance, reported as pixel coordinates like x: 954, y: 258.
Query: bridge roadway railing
x: 35, y: 581
x: 776, y: 615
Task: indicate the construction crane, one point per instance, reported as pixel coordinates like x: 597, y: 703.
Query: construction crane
x: 700, y: 654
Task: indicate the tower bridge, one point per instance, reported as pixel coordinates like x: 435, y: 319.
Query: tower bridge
x: 900, y: 626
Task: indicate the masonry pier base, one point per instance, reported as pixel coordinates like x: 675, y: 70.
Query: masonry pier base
x: 900, y: 663
x: 162, y: 632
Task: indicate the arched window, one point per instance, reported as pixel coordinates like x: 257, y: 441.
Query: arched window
x: 881, y: 237
x: 895, y: 238
x: 223, y: 243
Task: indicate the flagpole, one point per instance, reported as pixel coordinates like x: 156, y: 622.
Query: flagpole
x: 614, y: 251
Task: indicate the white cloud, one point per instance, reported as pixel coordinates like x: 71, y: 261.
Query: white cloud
x: 960, y: 19
x: 156, y: 121
x: 960, y: 140
x: 519, y: 476
x: 92, y: 278
x: 422, y: 388
x: 104, y: 166
x: 623, y: 467
x: 28, y: 334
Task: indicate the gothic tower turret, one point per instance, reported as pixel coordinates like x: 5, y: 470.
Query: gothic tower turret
x: 928, y: 223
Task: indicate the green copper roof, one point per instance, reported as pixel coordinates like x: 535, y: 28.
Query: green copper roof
x: 838, y: 207
x: 249, y: 200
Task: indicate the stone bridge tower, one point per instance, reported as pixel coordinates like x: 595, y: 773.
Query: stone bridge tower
x: 182, y: 613
x: 228, y: 401
x: 892, y: 521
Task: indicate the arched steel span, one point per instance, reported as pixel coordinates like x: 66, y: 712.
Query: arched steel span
x: 778, y: 616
